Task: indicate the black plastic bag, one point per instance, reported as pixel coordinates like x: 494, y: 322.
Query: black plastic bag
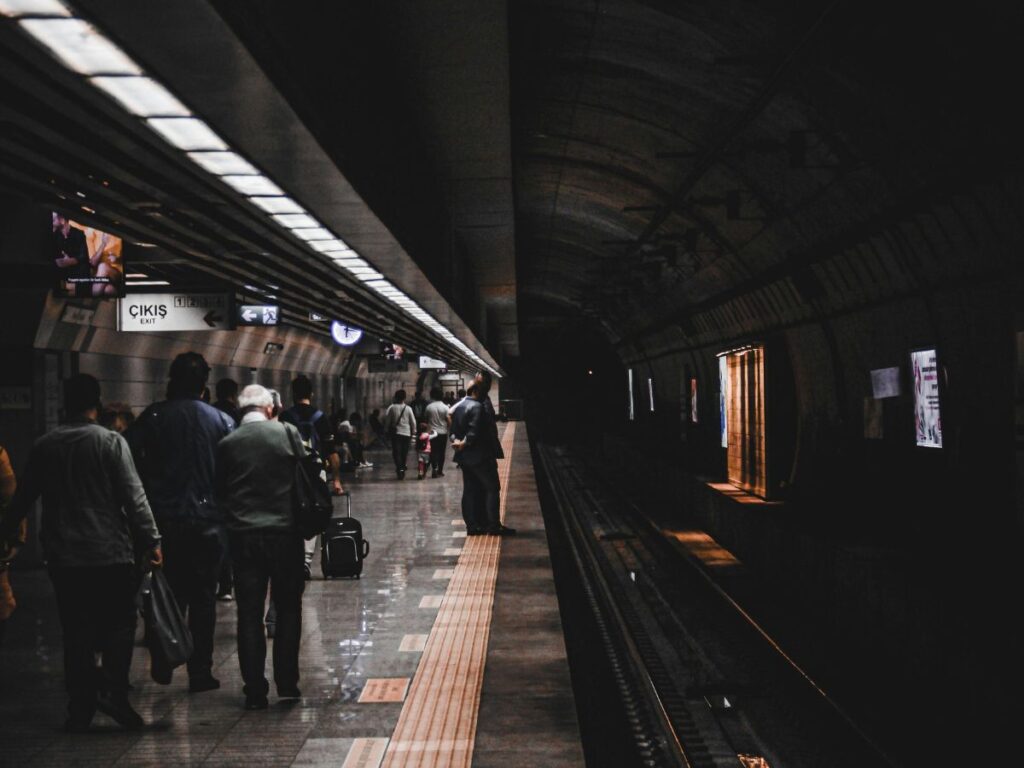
x: 168, y: 639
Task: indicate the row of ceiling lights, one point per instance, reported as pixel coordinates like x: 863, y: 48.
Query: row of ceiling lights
x: 83, y: 49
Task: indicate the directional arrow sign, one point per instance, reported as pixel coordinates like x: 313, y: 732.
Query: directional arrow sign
x: 174, y: 312
x: 258, y: 314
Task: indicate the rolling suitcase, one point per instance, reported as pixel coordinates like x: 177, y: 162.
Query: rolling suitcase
x: 342, y: 546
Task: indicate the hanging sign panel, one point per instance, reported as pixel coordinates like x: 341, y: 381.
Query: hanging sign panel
x: 927, y: 416
x: 174, y: 312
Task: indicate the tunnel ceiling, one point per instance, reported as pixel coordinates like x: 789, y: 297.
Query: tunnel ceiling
x: 672, y: 156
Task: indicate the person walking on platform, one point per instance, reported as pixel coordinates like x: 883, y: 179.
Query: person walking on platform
x: 318, y: 434
x: 255, y: 474
x: 477, y: 450
x: 400, y: 425
x: 96, y: 527
x: 174, y: 443
x: 436, y: 416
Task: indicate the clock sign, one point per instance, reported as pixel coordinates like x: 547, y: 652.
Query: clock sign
x: 345, y: 335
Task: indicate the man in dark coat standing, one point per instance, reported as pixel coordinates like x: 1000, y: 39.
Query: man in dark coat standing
x: 477, y: 450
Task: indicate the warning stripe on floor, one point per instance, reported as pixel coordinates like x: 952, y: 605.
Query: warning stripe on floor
x: 437, y: 725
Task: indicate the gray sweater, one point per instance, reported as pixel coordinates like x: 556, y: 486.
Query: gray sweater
x: 94, y: 507
x: 254, y: 477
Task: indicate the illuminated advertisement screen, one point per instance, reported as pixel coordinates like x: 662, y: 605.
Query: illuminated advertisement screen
x: 87, y: 262
x: 723, y: 398
x: 927, y: 416
x: 693, y: 401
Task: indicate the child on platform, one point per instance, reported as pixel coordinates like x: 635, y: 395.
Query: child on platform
x: 424, y: 436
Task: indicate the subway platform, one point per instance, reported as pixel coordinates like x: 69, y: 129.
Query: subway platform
x: 447, y: 652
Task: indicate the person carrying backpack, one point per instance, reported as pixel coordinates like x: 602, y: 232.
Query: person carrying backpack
x: 317, y: 433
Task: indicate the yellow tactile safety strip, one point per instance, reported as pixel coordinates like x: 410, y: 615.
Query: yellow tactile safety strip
x: 437, y: 725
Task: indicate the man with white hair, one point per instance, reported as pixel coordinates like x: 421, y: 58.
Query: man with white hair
x: 255, y: 474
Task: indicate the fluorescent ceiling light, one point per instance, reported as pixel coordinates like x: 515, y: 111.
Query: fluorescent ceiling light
x: 276, y: 204
x: 147, y: 282
x: 348, y: 261
x: 141, y: 96
x: 33, y: 8
x: 252, y: 185
x: 188, y: 133
x: 313, y: 233
x: 367, y: 275
x: 334, y: 245
x: 296, y: 220
x: 223, y: 163
x: 80, y: 46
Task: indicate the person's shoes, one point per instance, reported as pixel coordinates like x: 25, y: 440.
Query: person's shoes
x: 366, y: 464
x: 501, y: 530
x: 419, y: 476
x: 118, y: 708
x: 289, y: 692
x: 77, y: 725
x: 225, y: 597
x: 256, y: 702
x: 201, y: 684
x: 474, y: 531
x: 309, y: 571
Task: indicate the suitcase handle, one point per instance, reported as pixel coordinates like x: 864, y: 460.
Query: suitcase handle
x: 348, y: 501
x: 366, y: 548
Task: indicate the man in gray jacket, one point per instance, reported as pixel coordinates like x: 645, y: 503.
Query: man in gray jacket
x: 254, y: 478
x: 97, y: 526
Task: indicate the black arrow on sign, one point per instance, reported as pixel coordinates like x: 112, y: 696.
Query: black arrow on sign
x: 212, y: 318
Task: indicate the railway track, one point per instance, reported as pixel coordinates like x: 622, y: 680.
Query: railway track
x: 702, y: 683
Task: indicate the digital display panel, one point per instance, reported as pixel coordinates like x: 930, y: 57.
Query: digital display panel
x: 87, y: 262
x: 927, y: 416
x: 392, y: 351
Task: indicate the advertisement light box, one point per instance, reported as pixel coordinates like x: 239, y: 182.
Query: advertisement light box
x: 927, y: 415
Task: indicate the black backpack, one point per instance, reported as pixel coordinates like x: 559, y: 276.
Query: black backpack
x: 311, y: 498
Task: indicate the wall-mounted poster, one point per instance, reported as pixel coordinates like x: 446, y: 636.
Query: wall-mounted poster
x: 693, y: 401
x: 632, y: 409
x: 885, y: 382
x: 927, y: 417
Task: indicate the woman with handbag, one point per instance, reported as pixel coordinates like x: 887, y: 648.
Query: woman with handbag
x: 401, y: 429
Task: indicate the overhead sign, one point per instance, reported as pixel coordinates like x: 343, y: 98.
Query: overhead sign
x: 345, y: 335
x: 258, y: 314
x: 174, y: 312
x: 927, y: 416
x: 383, y: 365
x: 429, y: 362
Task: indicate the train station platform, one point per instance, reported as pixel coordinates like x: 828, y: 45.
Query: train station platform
x: 447, y: 652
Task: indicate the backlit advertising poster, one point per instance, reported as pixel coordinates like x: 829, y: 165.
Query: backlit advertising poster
x: 87, y: 262
x: 693, y: 401
x: 723, y: 398
x: 927, y: 421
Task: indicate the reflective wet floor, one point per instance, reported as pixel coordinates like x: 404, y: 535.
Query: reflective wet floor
x: 363, y: 641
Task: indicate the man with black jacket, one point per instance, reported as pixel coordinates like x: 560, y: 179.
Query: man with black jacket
x: 477, y: 450
x: 317, y: 432
x: 97, y: 526
x: 173, y: 443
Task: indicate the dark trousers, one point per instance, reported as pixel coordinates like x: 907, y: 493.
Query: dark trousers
x: 192, y: 560
x: 481, y: 495
x: 97, y: 613
x: 438, y: 446
x: 400, y: 451
x: 276, y: 558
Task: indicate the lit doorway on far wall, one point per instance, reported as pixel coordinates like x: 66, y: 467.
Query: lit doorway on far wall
x: 741, y: 374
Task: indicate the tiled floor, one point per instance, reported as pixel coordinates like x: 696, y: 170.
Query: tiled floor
x: 353, y: 631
